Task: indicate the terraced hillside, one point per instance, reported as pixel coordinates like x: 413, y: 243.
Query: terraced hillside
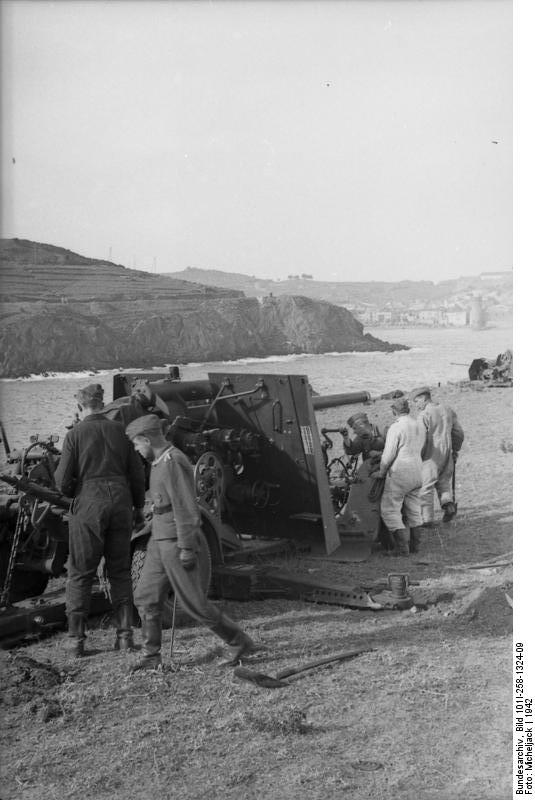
x: 32, y: 272
x: 64, y: 312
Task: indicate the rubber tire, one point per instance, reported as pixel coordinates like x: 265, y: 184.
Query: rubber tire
x: 27, y: 584
x: 24, y: 584
x: 205, y: 567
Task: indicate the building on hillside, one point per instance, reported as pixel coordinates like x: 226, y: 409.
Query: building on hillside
x: 456, y: 316
x: 431, y: 316
x: 496, y: 276
x: 435, y: 316
x: 477, y: 315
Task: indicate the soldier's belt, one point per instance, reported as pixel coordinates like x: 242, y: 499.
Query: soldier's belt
x: 162, y: 509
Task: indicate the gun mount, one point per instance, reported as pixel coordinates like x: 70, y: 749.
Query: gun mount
x: 493, y: 371
x: 262, y: 478
x: 260, y: 468
x: 33, y: 531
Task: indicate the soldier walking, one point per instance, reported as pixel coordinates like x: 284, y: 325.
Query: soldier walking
x: 172, y: 553
x: 401, y: 466
x: 444, y: 437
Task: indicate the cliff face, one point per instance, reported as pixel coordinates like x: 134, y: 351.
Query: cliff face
x: 315, y: 326
x: 60, y: 338
x: 154, y: 325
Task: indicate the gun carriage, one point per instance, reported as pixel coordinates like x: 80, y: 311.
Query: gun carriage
x: 263, y: 479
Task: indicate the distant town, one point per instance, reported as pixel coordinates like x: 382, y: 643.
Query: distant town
x: 490, y: 302
x: 474, y: 301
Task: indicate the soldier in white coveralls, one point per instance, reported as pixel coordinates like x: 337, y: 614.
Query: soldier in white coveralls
x: 401, y: 466
x: 443, y: 440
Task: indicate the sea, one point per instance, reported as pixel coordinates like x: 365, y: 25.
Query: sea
x: 44, y: 404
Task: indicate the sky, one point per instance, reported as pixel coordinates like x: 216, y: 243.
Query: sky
x: 357, y: 140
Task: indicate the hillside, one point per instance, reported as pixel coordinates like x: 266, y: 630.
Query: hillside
x: 494, y: 289
x: 33, y: 272
x: 64, y: 312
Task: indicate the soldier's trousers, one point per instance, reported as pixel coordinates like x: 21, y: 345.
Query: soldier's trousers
x: 163, y: 571
x: 436, y: 479
x: 100, y: 525
x: 400, y: 502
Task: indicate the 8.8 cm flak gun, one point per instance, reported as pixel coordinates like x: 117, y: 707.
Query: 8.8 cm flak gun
x: 261, y: 481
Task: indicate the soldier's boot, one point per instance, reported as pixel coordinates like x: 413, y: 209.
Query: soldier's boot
x: 151, y: 634
x: 388, y: 543
x: 450, y: 510
x: 414, y: 544
x: 76, y: 634
x: 239, y: 644
x: 124, y: 637
x: 402, y: 539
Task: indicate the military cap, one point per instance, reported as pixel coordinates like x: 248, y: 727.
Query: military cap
x: 89, y: 394
x: 401, y: 405
x: 360, y: 416
x: 142, y: 426
x: 421, y: 390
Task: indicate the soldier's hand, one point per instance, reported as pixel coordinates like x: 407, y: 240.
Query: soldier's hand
x: 343, y: 431
x: 139, y: 519
x: 188, y: 558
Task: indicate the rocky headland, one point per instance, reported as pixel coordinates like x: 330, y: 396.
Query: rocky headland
x: 63, y: 312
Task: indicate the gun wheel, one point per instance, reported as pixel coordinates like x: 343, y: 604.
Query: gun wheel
x: 210, y: 482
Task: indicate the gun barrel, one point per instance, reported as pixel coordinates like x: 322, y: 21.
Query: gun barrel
x: 332, y: 400
x: 36, y: 490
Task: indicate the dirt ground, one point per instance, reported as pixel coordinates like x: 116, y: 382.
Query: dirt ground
x: 423, y: 712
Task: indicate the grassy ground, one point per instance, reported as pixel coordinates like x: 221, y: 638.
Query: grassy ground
x: 423, y: 713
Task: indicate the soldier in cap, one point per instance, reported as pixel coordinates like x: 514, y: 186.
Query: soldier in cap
x: 443, y: 439
x: 172, y: 552
x: 366, y: 440
x: 401, y: 466
x: 100, y: 469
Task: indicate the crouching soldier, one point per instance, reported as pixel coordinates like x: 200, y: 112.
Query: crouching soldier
x: 367, y: 440
x: 172, y: 552
x: 401, y: 466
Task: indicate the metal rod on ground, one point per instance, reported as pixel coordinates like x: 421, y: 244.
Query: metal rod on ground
x: 7, y: 448
x: 173, y: 628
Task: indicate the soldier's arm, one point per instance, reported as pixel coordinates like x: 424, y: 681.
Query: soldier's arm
x: 457, y: 433
x: 391, y: 450
x: 135, y: 477
x: 425, y: 424
x: 378, y: 442
x: 352, y: 447
x: 179, y: 487
x: 65, y: 475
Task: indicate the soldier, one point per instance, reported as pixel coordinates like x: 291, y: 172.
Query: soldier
x: 444, y: 438
x: 101, y: 471
x: 401, y: 466
x: 367, y: 440
x: 172, y: 552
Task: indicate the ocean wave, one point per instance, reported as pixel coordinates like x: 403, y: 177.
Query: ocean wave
x: 46, y: 376
x: 282, y: 359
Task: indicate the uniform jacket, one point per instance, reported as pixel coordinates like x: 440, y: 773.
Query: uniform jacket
x: 98, y: 449
x: 172, y: 484
x: 363, y: 443
x: 443, y: 433
x: 401, y: 460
